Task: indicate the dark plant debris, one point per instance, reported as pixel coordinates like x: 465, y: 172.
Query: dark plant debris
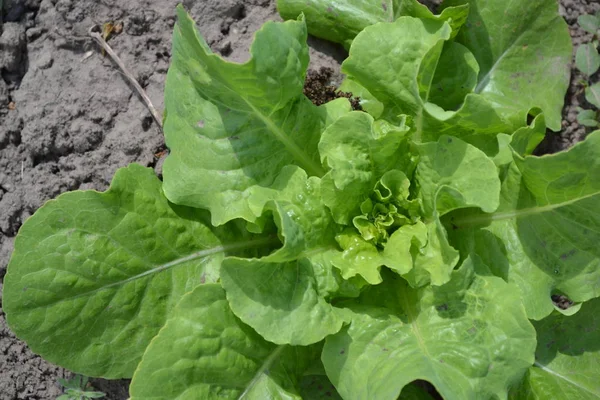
x: 561, y: 301
x: 319, y: 91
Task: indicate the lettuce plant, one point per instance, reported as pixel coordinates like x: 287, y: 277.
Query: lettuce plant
x: 295, y: 251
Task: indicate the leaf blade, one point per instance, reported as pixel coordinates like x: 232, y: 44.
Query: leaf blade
x: 566, y: 357
x: 204, y: 351
x: 548, y: 218
x: 404, y: 334
x: 518, y: 45
x: 280, y: 300
x: 240, y: 123
x: 92, y: 266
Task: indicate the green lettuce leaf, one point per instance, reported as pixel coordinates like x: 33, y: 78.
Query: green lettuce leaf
x: 544, y: 236
x: 95, y: 275
x: 523, y: 49
x: 368, y: 102
x: 340, y: 21
x: 470, y: 338
x: 303, y: 221
x: 453, y: 174
x: 280, y: 301
x: 232, y: 127
x: 407, y: 76
x: 455, y: 77
x: 205, y: 352
x: 358, y: 151
x: 363, y: 258
x: 567, y: 357
x: 391, y: 70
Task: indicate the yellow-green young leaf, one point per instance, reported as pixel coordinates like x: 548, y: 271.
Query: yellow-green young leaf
x: 281, y: 301
x: 205, y: 352
x: 359, y: 257
x: 341, y: 20
x: 544, y: 236
x: 567, y: 357
x: 470, y: 338
x: 523, y: 49
x: 358, y: 151
x: 94, y: 275
x: 232, y: 127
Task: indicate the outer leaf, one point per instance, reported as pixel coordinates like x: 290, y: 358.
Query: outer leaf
x: 205, y: 352
x: 470, y: 338
x: 386, y: 76
x: 567, y: 357
x: 519, y: 45
x: 452, y: 174
x: 390, y: 70
x: 455, y: 77
x: 477, y: 122
x: 280, y: 300
x: 95, y: 275
x: 592, y: 94
x: 358, y: 151
x: 587, y: 58
x: 233, y: 127
x: 545, y: 233
x: 589, y: 23
x: 340, y: 21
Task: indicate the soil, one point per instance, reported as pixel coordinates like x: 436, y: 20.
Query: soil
x: 318, y: 89
x: 69, y: 119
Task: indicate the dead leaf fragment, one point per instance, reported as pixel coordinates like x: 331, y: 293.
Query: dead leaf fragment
x: 110, y: 28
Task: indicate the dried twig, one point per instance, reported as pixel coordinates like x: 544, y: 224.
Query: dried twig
x: 100, y: 40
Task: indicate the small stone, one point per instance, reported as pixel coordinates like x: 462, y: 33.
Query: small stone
x: 45, y: 60
x: 34, y: 33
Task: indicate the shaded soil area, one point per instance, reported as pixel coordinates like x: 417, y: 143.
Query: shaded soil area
x: 69, y: 119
